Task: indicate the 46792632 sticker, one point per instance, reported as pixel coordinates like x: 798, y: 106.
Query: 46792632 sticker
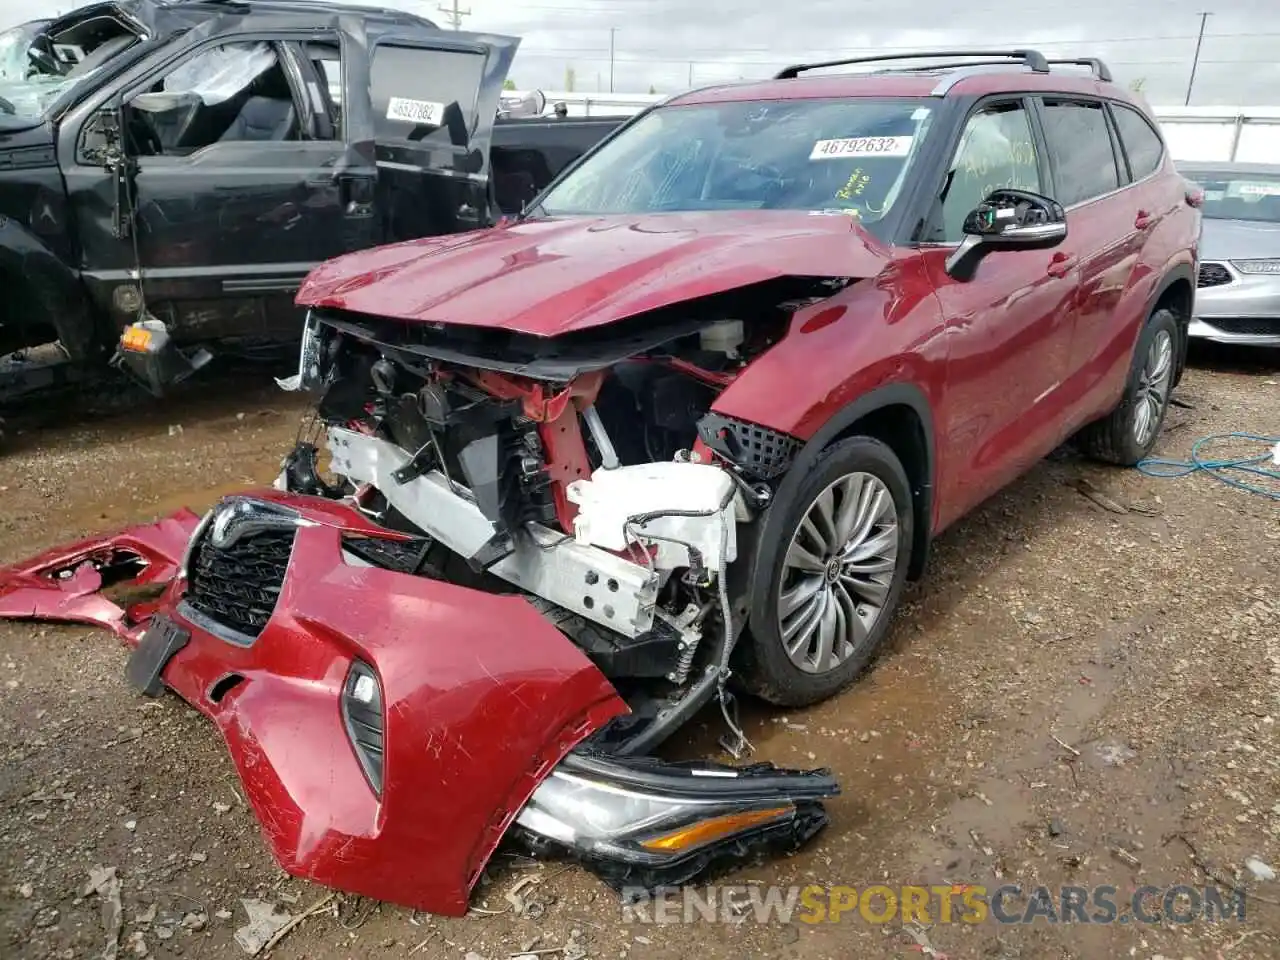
x: 861, y: 147
x: 407, y: 110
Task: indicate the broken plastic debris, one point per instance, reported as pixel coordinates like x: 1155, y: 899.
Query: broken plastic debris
x: 1260, y: 869
x: 104, y: 882
x: 264, y: 923
x: 1114, y: 754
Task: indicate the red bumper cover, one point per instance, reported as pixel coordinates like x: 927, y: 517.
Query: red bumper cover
x: 482, y: 697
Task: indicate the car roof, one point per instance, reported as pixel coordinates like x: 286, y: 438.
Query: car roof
x: 955, y: 82
x: 178, y: 12
x: 1229, y: 166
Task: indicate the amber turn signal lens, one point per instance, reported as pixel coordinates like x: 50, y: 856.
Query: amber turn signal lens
x: 706, y: 831
x: 136, y: 339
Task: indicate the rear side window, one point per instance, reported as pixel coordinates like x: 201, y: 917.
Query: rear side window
x: 1080, y: 146
x: 424, y: 95
x: 1141, y: 144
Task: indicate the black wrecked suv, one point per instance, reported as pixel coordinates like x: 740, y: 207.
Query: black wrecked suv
x: 184, y: 165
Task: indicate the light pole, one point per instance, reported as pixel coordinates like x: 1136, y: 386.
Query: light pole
x: 612, y: 33
x: 1195, y: 61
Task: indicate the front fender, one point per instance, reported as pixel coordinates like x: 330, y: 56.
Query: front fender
x: 880, y: 343
x: 54, y: 294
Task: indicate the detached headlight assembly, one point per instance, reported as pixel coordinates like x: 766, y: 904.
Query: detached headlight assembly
x: 642, y: 821
x: 362, y: 715
x: 1257, y: 266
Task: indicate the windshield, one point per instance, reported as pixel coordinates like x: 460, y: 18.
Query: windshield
x: 37, y: 68
x: 1239, y: 196
x: 838, y: 155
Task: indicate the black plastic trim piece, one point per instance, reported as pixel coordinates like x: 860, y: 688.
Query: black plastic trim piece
x: 893, y: 394
x: 761, y: 452
x: 365, y: 725
x: 702, y: 780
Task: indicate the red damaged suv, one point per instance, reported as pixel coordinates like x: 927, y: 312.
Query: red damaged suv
x: 683, y: 427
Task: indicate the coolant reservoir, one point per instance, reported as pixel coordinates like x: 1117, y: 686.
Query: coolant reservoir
x: 612, y: 506
x: 723, y: 336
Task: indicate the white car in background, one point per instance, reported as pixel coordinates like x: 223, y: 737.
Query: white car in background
x: 1238, y: 295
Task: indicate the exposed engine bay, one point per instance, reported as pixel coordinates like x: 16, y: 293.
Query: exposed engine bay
x: 597, y: 483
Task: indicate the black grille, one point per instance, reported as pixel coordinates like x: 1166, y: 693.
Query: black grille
x: 1213, y: 275
x: 238, y: 586
x: 1249, y: 326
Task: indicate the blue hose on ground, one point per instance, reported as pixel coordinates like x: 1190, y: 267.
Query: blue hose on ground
x: 1222, y: 469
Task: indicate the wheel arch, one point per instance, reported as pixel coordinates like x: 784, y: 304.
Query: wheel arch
x: 899, y: 415
x: 1177, y: 290
x: 52, y: 295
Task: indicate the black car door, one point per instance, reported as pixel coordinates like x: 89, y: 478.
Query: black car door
x: 237, y: 181
x: 433, y: 102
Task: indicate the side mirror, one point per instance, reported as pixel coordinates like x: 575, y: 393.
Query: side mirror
x: 1007, y: 219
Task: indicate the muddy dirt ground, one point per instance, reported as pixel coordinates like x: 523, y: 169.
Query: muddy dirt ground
x: 1078, y: 694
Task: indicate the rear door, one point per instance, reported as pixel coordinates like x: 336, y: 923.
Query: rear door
x: 434, y: 99
x: 1089, y: 180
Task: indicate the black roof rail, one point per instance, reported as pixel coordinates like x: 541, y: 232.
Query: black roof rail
x: 1032, y: 58
x: 949, y: 65
x: 1100, y: 70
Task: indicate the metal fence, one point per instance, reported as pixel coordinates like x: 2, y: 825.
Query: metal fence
x: 1246, y: 134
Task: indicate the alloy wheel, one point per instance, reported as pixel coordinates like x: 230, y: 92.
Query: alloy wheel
x: 838, y: 572
x: 1153, y: 388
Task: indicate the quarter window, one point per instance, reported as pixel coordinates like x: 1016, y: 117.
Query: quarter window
x: 1080, y: 144
x: 996, y: 152
x: 1141, y: 143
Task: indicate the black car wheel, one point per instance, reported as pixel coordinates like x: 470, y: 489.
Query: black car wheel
x: 825, y: 591
x: 1130, y: 431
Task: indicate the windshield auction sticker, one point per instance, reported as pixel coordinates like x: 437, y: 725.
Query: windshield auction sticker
x: 861, y: 147
x: 415, y: 111
x: 1262, y: 188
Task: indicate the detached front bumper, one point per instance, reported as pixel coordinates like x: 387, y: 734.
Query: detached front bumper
x: 478, y: 697
x: 389, y: 729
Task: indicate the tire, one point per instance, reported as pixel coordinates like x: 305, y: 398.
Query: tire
x: 860, y: 471
x: 1128, y: 434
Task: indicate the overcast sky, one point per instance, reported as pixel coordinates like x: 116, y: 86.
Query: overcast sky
x: 660, y: 43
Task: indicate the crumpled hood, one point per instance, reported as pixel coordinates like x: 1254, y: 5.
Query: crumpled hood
x: 553, y: 276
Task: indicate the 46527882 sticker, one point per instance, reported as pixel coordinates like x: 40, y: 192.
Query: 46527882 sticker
x: 861, y: 147
x: 415, y: 111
